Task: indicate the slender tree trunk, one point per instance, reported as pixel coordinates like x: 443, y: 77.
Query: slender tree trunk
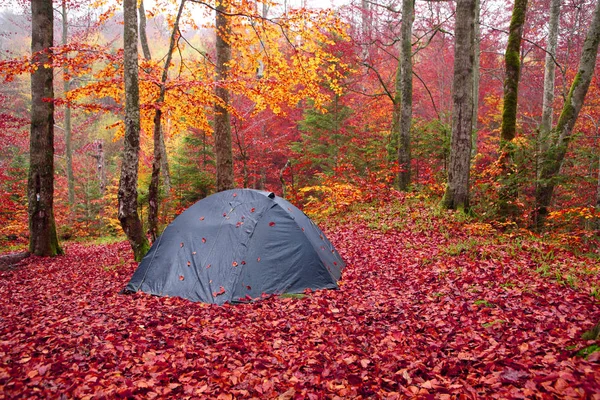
x: 404, y: 157
x: 43, y: 240
x: 68, y: 129
x: 153, y: 198
x: 457, y: 187
x: 476, y: 74
x: 393, y: 149
x: 560, y: 136
x: 143, y: 33
x: 508, y: 185
x: 128, y: 214
x: 164, y: 161
x: 549, y: 75
x: 223, y: 150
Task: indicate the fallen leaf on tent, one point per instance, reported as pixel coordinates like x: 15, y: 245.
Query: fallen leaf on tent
x: 258, y: 259
x: 203, y: 240
x: 189, y: 263
x: 181, y: 244
x: 220, y: 292
x: 201, y: 218
x: 208, y: 266
x: 252, y: 209
x: 235, y: 264
x: 271, y: 223
x: 243, y: 262
x: 181, y: 277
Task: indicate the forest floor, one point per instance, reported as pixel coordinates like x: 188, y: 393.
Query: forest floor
x: 427, y: 305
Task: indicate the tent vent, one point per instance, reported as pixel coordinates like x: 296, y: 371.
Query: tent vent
x: 271, y: 195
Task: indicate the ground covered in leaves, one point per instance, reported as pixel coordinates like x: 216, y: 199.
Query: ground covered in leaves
x: 425, y: 307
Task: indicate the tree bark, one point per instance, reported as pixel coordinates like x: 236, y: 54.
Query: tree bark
x: 223, y: 150
x: 68, y: 128
x: 476, y: 74
x: 164, y: 161
x: 153, y: 199
x: 549, y: 78
x: 143, y: 33
x: 457, y: 187
x: 508, y: 185
x: 43, y: 240
x: 404, y: 156
x: 127, y: 196
x: 560, y: 136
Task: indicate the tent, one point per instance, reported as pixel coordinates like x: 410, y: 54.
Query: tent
x: 238, y: 245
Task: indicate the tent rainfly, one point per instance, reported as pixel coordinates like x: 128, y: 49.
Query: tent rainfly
x: 238, y: 245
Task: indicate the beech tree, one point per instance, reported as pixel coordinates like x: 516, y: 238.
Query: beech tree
x: 127, y: 196
x: 549, y: 78
x: 406, y: 75
x: 456, y: 195
x: 67, y: 120
x: 560, y: 136
x: 43, y: 240
x: 222, y: 127
x: 512, y: 61
x: 153, y: 200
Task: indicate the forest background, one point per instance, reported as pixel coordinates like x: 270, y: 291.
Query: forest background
x: 315, y: 110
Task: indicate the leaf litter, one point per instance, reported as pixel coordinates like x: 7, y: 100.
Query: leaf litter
x: 409, y: 320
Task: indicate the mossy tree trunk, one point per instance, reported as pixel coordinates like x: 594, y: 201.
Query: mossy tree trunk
x: 153, y: 197
x: 406, y: 72
x: 127, y: 195
x: 43, y: 240
x: 549, y: 78
x: 223, y: 149
x: 560, y: 136
x: 456, y: 195
x: 512, y: 60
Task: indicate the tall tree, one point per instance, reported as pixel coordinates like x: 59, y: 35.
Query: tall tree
x: 406, y: 72
x: 223, y: 149
x: 560, y: 136
x: 476, y: 74
x: 164, y: 162
x: 43, y: 240
x: 128, y: 215
x: 549, y: 75
x: 153, y: 200
x: 67, y: 121
x: 456, y: 195
x: 512, y: 61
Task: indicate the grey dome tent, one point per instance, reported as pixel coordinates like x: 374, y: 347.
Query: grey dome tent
x: 235, y: 246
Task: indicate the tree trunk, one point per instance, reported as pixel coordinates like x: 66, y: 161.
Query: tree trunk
x: 404, y: 157
x: 476, y: 74
x: 549, y: 75
x: 223, y: 150
x: 457, y: 187
x: 43, y: 240
x: 128, y: 214
x: 153, y: 199
x: 164, y: 162
x: 508, y: 184
x: 143, y: 34
x: 560, y: 136
x: 68, y: 129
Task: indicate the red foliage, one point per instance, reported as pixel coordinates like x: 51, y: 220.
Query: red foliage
x: 409, y: 320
